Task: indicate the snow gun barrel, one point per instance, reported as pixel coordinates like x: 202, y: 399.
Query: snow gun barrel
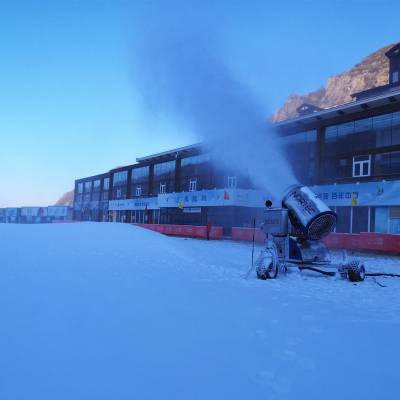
x: 308, y: 213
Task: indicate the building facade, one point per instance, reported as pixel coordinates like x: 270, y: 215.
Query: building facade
x: 349, y: 154
x: 36, y: 215
x: 183, y: 186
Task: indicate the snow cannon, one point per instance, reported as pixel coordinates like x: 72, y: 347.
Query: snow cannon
x: 308, y: 214
x: 293, y: 238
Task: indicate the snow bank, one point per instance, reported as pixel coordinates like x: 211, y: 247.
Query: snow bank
x: 111, y: 311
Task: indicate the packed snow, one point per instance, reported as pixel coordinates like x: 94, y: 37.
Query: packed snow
x: 113, y: 311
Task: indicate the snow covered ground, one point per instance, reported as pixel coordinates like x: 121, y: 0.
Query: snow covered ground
x: 111, y: 311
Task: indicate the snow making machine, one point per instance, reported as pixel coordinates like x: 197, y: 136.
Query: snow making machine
x: 293, y: 238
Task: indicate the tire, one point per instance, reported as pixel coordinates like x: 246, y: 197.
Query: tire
x: 270, y: 272
x: 356, y: 273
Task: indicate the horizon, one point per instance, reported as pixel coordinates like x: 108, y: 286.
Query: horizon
x: 71, y: 105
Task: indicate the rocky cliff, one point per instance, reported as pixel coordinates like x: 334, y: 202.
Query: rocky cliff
x: 372, y: 71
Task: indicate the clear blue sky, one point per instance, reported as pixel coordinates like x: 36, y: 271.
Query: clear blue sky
x: 69, y: 104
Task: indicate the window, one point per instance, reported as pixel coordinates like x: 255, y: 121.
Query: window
x: 80, y: 187
x: 394, y: 212
x: 395, y: 76
x: 140, y: 174
x: 138, y: 191
x: 106, y: 184
x: 96, y: 185
x: 163, y: 188
x: 165, y: 168
x: 120, y: 178
x: 195, y: 160
x: 232, y: 181
x: 118, y: 193
x: 88, y: 186
x: 192, y: 185
x: 361, y: 166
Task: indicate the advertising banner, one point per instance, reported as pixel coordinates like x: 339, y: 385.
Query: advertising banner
x: 214, y: 197
x: 383, y: 193
x: 145, y: 203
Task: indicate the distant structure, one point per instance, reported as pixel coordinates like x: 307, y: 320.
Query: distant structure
x: 35, y: 215
x: 349, y: 153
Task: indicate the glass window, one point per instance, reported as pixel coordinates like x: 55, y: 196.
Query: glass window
x: 199, y: 159
x: 387, y: 163
x: 361, y: 166
x: 383, y: 129
x: 165, y: 168
x: 163, y: 188
x: 192, y: 185
x: 360, y: 219
x: 88, y: 186
x: 232, y: 181
x: 138, y: 191
x: 106, y: 184
x: 96, y: 185
x: 396, y: 128
x: 80, y: 187
x: 343, y: 222
x: 395, y: 76
x: 120, y: 178
x: 394, y: 212
x: 140, y: 174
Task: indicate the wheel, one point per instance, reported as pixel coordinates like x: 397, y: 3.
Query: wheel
x: 269, y: 272
x: 356, y: 272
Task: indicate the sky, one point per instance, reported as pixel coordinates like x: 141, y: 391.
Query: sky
x: 70, y: 104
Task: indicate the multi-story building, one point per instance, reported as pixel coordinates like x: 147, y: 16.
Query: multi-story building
x: 353, y: 154
x: 181, y: 186
x: 350, y: 154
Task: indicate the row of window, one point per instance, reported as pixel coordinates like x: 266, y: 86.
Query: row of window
x: 93, y: 186
x: 378, y: 131
x: 382, y: 164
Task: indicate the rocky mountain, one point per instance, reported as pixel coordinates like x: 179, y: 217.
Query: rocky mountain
x: 66, y: 200
x: 372, y: 71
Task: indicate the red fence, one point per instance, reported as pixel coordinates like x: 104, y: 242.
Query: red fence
x: 361, y: 241
x: 246, y: 234
x: 364, y: 241
x: 186, y: 230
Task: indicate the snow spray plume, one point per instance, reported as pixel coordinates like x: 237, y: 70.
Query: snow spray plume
x: 183, y: 79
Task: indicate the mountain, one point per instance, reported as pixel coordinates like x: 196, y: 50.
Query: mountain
x: 372, y: 71
x: 66, y: 200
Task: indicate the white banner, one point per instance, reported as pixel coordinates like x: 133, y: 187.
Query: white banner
x: 214, y: 197
x: 383, y: 193
x: 145, y: 203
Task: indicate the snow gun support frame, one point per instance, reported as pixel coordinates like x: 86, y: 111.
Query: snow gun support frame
x: 293, y: 238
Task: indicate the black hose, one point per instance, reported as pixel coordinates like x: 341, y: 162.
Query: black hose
x: 327, y: 273
x: 382, y: 274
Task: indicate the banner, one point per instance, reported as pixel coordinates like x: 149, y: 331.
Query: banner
x: 144, y: 203
x: 382, y: 193
x: 214, y: 197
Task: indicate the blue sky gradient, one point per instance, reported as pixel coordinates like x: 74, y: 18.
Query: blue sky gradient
x: 70, y: 105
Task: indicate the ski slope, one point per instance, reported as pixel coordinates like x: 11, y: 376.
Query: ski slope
x: 111, y: 311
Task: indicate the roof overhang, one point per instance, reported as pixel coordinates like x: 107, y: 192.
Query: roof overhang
x: 388, y: 98
x: 170, y: 153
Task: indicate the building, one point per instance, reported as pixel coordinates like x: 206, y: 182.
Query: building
x: 349, y: 154
x: 353, y: 155
x: 35, y: 215
x: 182, y: 186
